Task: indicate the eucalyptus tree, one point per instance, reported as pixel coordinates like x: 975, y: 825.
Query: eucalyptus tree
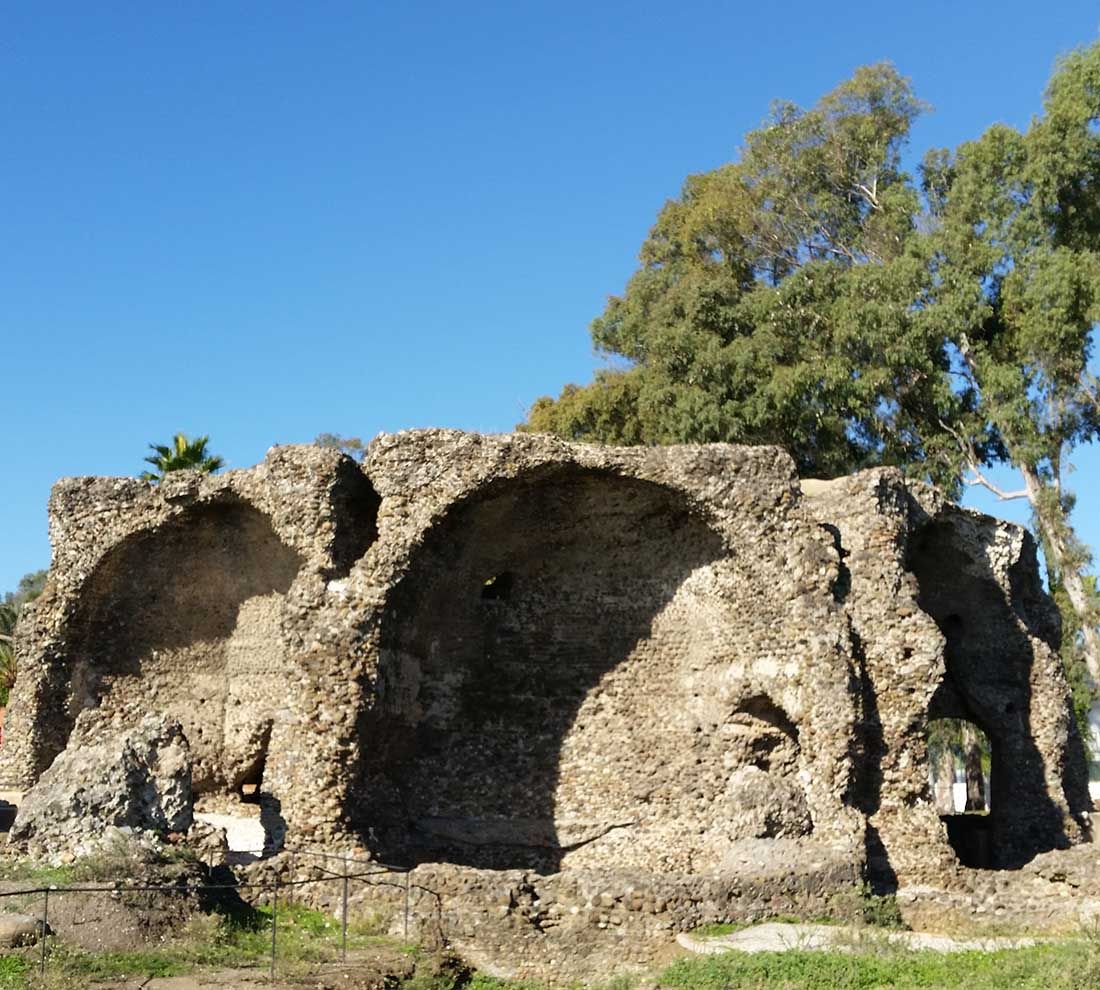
x: 773, y: 303
x: 810, y: 294
x: 1015, y: 265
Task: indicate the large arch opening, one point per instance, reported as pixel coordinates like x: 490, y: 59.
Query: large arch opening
x: 185, y: 619
x: 554, y: 683
x: 988, y: 661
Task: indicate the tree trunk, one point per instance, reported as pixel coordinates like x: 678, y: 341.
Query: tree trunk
x: 943, y: 780
x: 1054, y: 533
x: 972, y: 764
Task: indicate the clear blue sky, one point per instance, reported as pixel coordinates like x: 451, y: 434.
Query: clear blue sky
x: 264, y: 221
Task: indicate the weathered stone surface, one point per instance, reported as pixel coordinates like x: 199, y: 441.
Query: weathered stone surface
x: 17, y: 930
x: 530, y: 669
x: 137, y: 777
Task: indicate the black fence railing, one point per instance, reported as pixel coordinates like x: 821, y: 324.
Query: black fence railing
x: 348, y: 870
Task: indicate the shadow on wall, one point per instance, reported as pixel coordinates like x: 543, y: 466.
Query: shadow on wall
x: 989, y: 660
x: 516, y: 607
x: 182, y: 619
x: 866, y: 750
x: 356, y: 511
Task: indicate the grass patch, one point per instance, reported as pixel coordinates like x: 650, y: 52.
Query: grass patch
x: 243, y: 938
x: 117, y: 860
x: 720, y: 928
x: 239, y: 940
x: 68, y: 962
x: 13, y: 971
x: 479, y: 981
x: 1069, y: 966
x: 36, y: 874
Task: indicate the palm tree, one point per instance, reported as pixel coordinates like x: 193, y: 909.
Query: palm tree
x: 182, y: 455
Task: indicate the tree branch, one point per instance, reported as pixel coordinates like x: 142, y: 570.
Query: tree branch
x: 984, y: 482
x: 970, y: 455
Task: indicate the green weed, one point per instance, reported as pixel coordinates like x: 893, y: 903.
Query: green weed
x: 1045, y: 967
x: 13, y: 970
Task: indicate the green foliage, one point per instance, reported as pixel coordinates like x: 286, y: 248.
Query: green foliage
x: 352, y: 446
x: 96, y: 966
x: 11, y: 606
x: 238, y: 940
x: 1073, y: 647
x: 719, y: 928
x: 30, y: 587
x: 882, y: 911
x: 876, y: 965
x: 480, y: 981
x: 810, y: 294
x: 304, y: 935
x: 37, y: 874
x: 13, y: 972
x: 774, y: 302
x: 1014, y: 237
x: 182, y: 454
x: 9, y: 616
x: 948, y: 739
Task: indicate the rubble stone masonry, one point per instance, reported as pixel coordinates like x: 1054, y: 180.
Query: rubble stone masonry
x: 664, y: 676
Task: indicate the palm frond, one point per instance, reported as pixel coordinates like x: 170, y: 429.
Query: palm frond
x: 183, y: 455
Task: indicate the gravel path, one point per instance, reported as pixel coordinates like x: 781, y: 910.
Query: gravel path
x: 777, y: 936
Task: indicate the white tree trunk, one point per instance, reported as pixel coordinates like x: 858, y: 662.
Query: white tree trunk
x: 1072, y: 578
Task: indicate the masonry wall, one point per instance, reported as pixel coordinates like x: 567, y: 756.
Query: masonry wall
x: 659, y: 669
x: 559, y: 686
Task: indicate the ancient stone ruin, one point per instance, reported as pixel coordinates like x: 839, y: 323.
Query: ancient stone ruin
x: 593, y: 695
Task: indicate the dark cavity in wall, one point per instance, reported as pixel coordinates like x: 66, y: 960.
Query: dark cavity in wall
x: 499, y: 587
x: 842, y: 585
x: 519, y: 602
x: 774, y: 743
x: 356, y: 516
x: 988, y: 659
x: 251, y: 781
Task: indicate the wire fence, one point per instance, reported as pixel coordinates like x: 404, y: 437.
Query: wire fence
x: 351, y: 870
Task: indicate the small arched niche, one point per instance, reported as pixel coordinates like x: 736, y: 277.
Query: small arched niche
x: 763, y: 797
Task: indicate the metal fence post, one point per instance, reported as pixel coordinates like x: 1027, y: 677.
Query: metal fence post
x: 45, y: 928
x: 344, y: 916
x: 274, y: 922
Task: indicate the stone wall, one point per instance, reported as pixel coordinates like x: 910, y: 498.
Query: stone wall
x: 671, y: 669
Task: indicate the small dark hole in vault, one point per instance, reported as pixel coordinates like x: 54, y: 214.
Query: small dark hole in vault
x: 498, y: 588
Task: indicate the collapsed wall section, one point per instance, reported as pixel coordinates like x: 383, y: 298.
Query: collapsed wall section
x: 186, y: 599
x: 949, y: 619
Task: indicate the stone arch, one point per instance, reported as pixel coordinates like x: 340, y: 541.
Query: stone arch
x: 989, y: 658
x: 184, y: 619
x: 552, y: 681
